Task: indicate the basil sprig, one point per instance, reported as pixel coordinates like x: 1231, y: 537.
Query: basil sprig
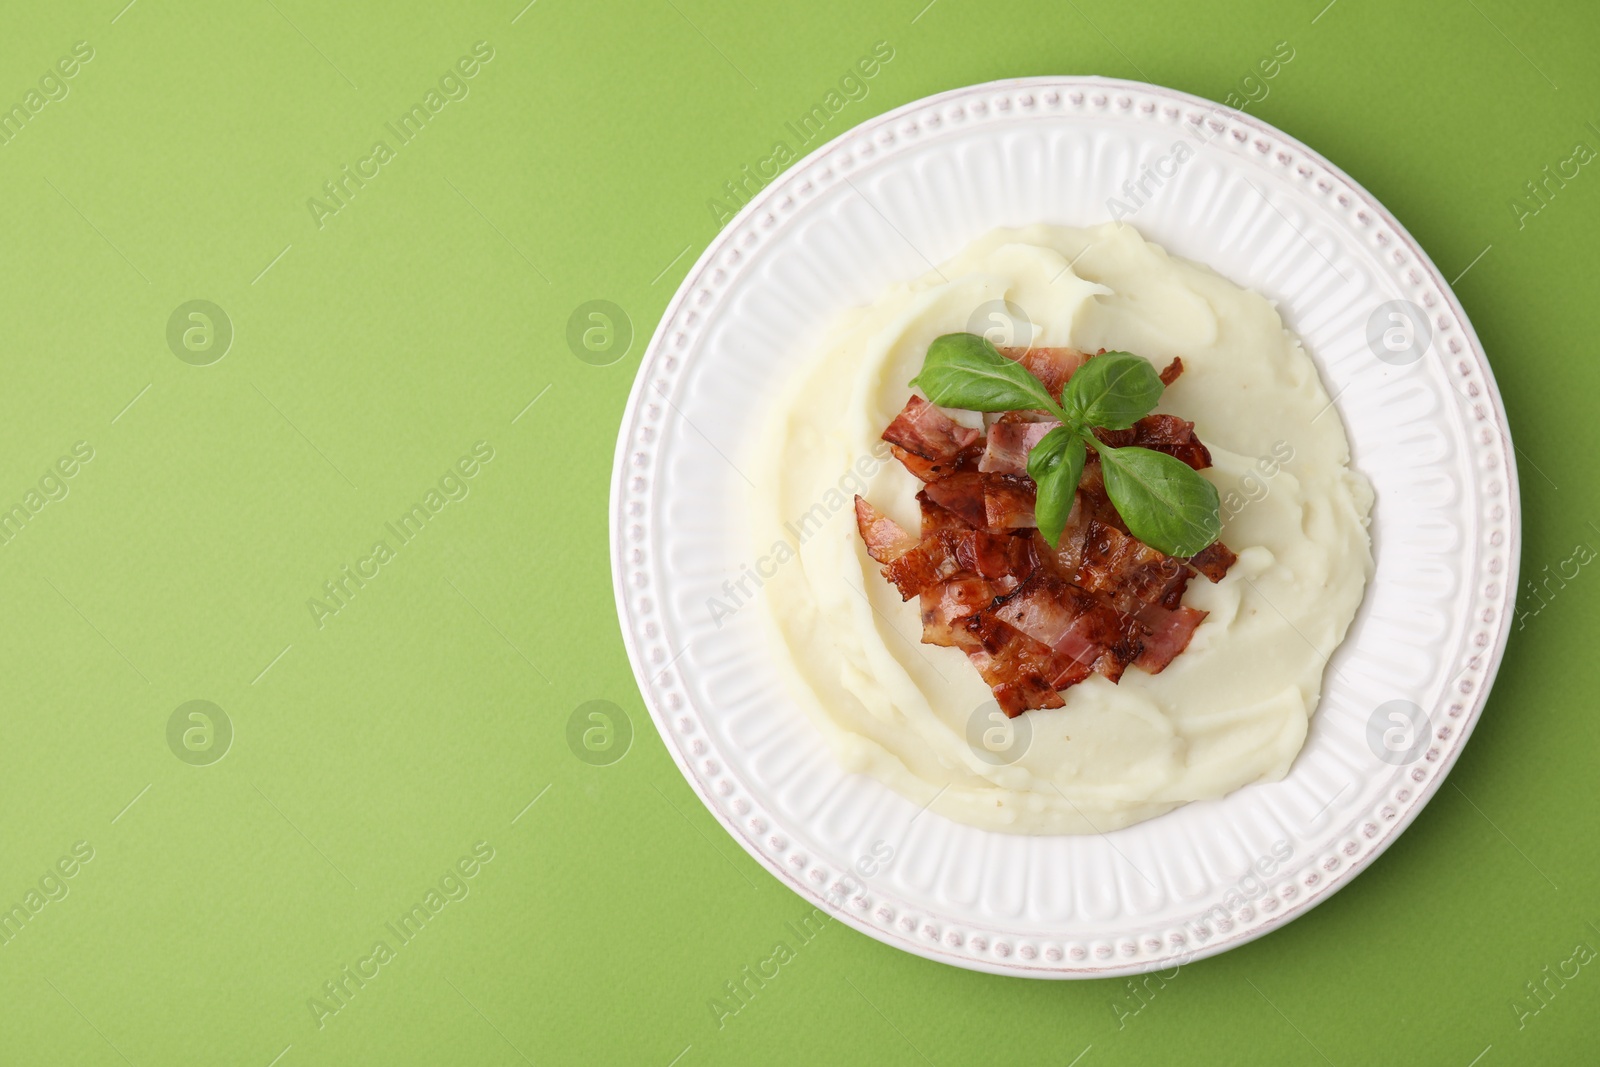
x: 1165, y: 503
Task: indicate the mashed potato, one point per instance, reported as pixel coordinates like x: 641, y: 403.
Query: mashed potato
x: 1232, y: 709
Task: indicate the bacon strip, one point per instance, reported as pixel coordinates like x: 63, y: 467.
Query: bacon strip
x: 936, y: 517
x: 1008, y: 444
x: 962, y: 495
x: 1162, y: 433
x: 1052, y: 366
x: 934, y: 560
x: 1021, y: 672
x: 927, y: 470
x: 1168, y: 634
x: 1214, y: 560
x: 1008, y: 501
x: 1128, y: 572
x: 930, y: 443
x: 927, y: 431
x: 1044, y: 607
x: 885, y: 540
x: 946, y: 606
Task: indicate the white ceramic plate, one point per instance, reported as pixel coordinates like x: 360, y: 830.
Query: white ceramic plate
x: 911, y: 188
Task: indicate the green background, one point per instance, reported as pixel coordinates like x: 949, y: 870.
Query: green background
x: 370, y: 353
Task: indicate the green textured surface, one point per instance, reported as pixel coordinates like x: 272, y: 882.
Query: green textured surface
x: 374, y: 751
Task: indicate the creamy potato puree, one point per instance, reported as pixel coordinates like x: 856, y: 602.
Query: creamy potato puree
x: 1231, y: 710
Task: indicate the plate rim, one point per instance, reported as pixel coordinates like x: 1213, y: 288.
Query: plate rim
x: 1087, y: 969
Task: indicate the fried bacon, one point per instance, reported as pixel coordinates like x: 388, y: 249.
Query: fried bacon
x: 946, y: 605
x: 1008, y: 443
x: 931, y: 562
x: 962, y: 495
x: 1167, y: 634
x: 930, y: 443
x: 1214, y: 560
x: 1035, y: 620
x: 926, y: 469
x: 1162, y: 433
x: 1052, y: 366
x: 885, y: 540
x: 986, y: 501
x: 1008, y: 501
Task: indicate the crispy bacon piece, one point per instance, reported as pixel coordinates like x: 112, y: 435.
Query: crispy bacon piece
x: 1035, y: 620
x: 997, y: 563
x: 1129, y: 572
x: 928, y: 470
x: 1022, y: 690
x: 930, y: 443
x: 1162, y: 433
x: 962, y: 495
x: 947, y: 604
x: 1116, y: 636
x: 1009, y: 442
x: 1008, y: 501
x: 1083, y: 631
x: 960, y: 551
x: 1214, y: 560
x: 986, y: 501
x: 935, y: 559
x: 885, y: 540
x: 1167, y: 634
x: 1044, y: 607
x: 936, y: 517
x: 1052, y: 366
x: 1001, y: 558
x: 1021, y: 671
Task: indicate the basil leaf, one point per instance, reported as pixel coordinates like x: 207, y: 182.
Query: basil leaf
x: 1164, y: 502
x: 1113, y: 390
x: 963, y: 370
x: 1055, y: 464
